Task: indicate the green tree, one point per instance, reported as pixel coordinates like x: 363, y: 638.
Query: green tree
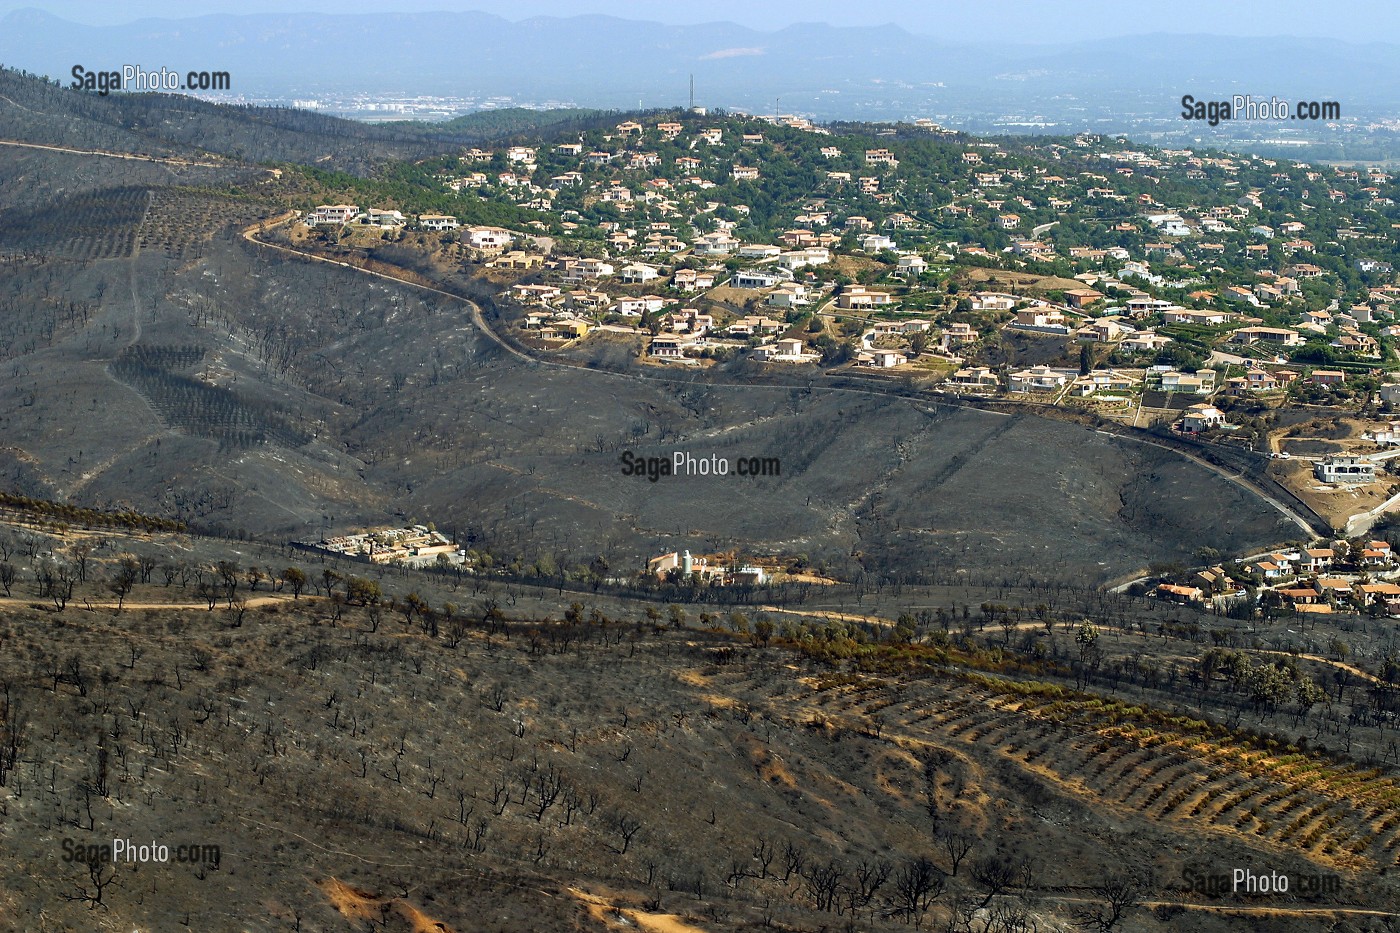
x: 1087, y: 638
x: 360, y: 591
x: 295, y: 577
x: 763, y: 630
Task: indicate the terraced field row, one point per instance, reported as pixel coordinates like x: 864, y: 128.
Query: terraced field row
x: 200, y: 409
x: 1333, y: 812
x: 179, y: 222
x: 99, y: 225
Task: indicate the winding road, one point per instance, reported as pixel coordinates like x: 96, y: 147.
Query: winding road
x: 112, y: 155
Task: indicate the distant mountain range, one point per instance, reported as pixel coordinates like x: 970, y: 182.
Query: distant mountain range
x: 881, y: 72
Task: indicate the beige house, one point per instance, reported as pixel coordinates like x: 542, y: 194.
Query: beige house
x: 859, y: 297
x: 1201, y: 418
x: 977, y: 378
x: 1201, y: 382
x: 754, y: 325
x: 1039, y: 379
x: 518, y: 259
x: 1044, y: 318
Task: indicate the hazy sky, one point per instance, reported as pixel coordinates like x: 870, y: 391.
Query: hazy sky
x: 1010, y: 20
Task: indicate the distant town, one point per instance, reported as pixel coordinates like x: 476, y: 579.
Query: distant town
x: 1225, y: 298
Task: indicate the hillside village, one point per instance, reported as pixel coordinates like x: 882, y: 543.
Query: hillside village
x: 1356, y: 575
x: 1219, y: 296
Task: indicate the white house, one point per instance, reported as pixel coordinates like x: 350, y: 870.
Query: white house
x: 1345, y: 470
x: 789, y: 350
x: 1169, y: 224
x: 437, y: 222
x: 812, y: 256
x: 911, y: 266
x: 489, y: 238
x: 669, y: 346
x: 875, y: 242
x: 885, y: 359
x: 577, y: 270
x: 790, y: 295
x: 991, y: 301
x: 1189, y: 316
x: 1143, y: 305
x: 385, y: 220
x: 690, y: 280
x: 752, y: 278
x: 715, y: 244
x: 637, y: 272
x: 634, y: 307
x: 332, y: 214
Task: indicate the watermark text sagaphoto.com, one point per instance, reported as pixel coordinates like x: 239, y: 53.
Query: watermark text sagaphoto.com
x: 1246, y: 107
x: 1252, y: 882
x: 683, y: 463
x: 129, y: 852
x: 130, y: 78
